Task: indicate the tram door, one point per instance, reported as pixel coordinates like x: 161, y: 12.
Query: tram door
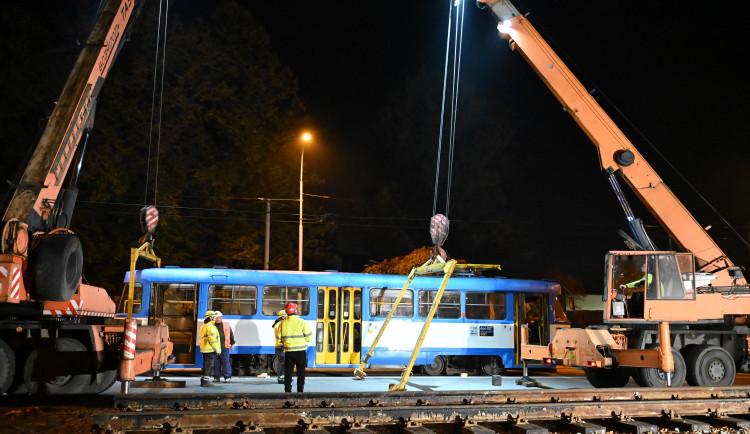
x: 338, y: 326
x: 532, y: 313
x: 175, y: 302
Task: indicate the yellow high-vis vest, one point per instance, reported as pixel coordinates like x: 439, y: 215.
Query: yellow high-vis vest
x: 210, y: 338
x: 294, y: 333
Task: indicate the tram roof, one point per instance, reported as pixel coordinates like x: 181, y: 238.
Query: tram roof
x: 332, y: 278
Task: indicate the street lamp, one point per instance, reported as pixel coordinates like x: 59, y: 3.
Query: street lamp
x: 306, y: 137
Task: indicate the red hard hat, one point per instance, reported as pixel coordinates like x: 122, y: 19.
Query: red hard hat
x: 291, y: 308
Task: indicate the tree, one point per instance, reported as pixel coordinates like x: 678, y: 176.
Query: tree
x: 224, y: 127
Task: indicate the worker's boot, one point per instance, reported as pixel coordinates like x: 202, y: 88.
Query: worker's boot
x: 206, y: 382
x: 280, y: 380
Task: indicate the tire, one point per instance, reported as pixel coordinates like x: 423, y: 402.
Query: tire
x: 104, y: 377
x: 492, y: 365
x: 436, y: 368
x: 62, y: 368
x: 709, y: 365
x: 654, y: 377
x: 607, y: 378
x: 57, y: 268
x: 103, y: 381
x: 7, y: 367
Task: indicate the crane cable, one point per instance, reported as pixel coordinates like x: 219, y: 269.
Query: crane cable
x: 457, y: 45
x: 153, y: 102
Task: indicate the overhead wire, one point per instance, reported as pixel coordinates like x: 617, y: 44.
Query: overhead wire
x: 616, y: 108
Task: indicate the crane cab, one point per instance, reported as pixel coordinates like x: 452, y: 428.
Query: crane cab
x: 651, y: 286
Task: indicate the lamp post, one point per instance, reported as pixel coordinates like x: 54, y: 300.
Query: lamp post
x: 306, y: 137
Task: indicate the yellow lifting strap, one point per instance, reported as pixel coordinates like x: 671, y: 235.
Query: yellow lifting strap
x: 146, y: 251
x: 434, y: 266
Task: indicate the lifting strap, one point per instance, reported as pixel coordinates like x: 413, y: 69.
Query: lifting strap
x: 434, y: 266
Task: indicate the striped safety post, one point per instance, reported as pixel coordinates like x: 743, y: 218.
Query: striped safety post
x: 128, y: 348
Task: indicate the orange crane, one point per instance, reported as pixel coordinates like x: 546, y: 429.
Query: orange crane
x: 684, y: 313
x: 57, y: 334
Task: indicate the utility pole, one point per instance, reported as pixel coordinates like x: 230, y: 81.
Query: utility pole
x: 268, y: 234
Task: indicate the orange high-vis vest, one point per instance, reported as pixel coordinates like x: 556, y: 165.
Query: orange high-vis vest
x: 227, y: 335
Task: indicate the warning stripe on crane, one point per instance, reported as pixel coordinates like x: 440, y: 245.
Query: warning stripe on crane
x: 15, y: 281
x: 75, y: 308
x: 128, y: 347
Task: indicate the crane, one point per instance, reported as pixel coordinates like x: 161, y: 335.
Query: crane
x: 57, y: 334
x: 688, y: 315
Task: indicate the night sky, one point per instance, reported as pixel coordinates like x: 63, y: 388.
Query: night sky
x: 671, y: 75
x: 668, y: 73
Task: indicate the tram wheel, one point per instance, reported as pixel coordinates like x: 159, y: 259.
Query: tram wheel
x: 61, y: 368
x: 604, y: 378
x: 7, y: 367
x: 278, y: 366
x: 492, y: 365
x: 654, y: 377
x: 710, y: 365
x: 436, y: 368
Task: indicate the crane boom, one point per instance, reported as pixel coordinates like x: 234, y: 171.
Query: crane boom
x: 616, y: 152
x: 38, y: 192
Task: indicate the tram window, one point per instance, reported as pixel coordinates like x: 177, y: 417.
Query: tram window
x: 357, y: 333
x: 275, y: 299
x: 321, y: 304
x: 347, y: 305
x: 486, y: 305
x: 449, y: 307
x: 178, y: 299
x: 332, y: 304
x: 382, y: 301
x: 233, y: 299
x: 122, y: 306
x: 357, y: 305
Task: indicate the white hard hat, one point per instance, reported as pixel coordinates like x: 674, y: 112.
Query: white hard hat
x: 217, y: 313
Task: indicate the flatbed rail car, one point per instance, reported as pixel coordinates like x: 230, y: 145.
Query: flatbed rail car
x: 477, y: 326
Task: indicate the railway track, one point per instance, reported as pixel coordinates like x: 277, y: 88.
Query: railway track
x: 477, y: 412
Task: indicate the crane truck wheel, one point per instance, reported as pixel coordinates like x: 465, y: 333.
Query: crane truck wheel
x: 57, y: 268
x: 604, y: 378
x: 58, y: 368
x: 654, y: 377
x: 7, y: 367
x: 710, y: 365
x: 104, y: 377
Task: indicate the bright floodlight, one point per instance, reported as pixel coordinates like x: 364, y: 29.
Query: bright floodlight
x: 306, y: 137
x: 504, y: 27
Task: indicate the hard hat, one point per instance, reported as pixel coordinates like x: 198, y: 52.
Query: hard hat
x: 282, y: 312
x: 210, y: 314
x: 291, y: 308
x: 217, y: 313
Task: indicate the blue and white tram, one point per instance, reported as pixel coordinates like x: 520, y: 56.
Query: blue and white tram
x: 477, y: 326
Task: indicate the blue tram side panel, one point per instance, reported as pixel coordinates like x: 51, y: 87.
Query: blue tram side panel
x: 476, y: 328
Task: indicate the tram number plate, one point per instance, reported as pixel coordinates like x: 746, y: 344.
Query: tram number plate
x: 482, y: 330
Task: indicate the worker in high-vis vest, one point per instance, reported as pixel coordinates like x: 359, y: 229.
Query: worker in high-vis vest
x: 222, y: 365
x: 294, y: 334
x: 210, y: 347
x: 279, y: 351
